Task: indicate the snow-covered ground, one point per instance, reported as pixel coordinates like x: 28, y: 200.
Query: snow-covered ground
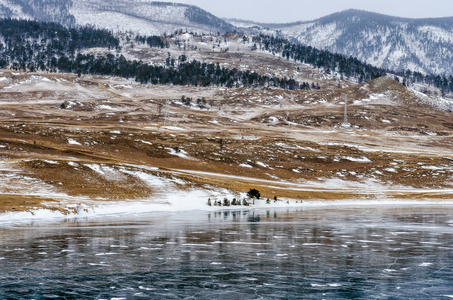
x: 195, y: 201
x: 142, y: 17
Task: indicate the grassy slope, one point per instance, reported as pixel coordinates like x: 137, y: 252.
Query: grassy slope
x: 285, y: 144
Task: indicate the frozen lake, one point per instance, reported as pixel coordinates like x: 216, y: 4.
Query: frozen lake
x: 341, y: 252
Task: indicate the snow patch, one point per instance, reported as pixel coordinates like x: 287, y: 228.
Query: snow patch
x: 179, y: 152
x: 358, y: 159
x: 174, y: 128
x: 73, y: 142
x: 262, y: 165
x: 246, y: 166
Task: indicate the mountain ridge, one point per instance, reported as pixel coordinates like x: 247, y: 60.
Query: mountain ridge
x: 142, y: 16
x: 340, y: 13
x: 422, y: 45
x: 395, y: 43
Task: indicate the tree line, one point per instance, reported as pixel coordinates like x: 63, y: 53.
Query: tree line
x: 347, y: 67
x: 32, y: 45
x: 38, y: 46
x: 183, y: 72
x: 152, y: 41
x: 442, y: 82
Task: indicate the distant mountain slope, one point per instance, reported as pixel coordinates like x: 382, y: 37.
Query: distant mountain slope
x: 424, y: 45
x: 43, y: 10
x: 146, y: 17
x: 140, y: 16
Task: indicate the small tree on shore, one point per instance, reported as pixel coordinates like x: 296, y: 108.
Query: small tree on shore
x: 253, y: 194
x: 226, y: 202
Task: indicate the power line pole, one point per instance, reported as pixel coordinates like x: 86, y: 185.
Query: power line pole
x: 346, y: 124
x: 166, y: 113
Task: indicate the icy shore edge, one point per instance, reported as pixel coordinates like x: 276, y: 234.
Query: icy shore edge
x: 195, y: 201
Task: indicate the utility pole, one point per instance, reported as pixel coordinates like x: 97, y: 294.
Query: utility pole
x: 346, y: 124
x: 166, y: 113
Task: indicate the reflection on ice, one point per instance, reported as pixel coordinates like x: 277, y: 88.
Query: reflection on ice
x: 341, y: 252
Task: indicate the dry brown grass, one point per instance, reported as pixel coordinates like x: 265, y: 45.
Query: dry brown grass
x: 288, y: 142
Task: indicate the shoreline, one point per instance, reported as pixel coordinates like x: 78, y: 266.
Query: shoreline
x: 125, y: 209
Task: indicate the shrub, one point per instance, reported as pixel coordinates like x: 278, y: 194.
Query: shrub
x: 253, y: 193
x: 226, y: 202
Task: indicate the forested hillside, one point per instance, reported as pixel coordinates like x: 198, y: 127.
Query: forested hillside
x: 40, y: 46
x: 421, y: 45
x: 36, y: 45
x: 52, y: 47
x: 57, y: 11
x: 348, y: 67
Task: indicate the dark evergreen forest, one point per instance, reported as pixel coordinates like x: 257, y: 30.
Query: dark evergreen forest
x: 152, y: 41
x: 30, y: 45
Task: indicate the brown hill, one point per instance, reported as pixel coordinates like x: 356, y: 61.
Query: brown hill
x: 96, y: 139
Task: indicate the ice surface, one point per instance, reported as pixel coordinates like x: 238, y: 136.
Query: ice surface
x: 234, y: 250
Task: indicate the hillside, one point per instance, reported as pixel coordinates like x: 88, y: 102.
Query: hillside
x: 70, y: 143
x: 187, y: 117
x: 422, y: 45
x: 139, y: 16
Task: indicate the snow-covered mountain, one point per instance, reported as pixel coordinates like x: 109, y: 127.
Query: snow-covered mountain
x: 42, y: 10
x: 140, y: 16
x: 424, y: 45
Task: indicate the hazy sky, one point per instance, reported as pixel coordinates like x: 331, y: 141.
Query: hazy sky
x: 299, y: 10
